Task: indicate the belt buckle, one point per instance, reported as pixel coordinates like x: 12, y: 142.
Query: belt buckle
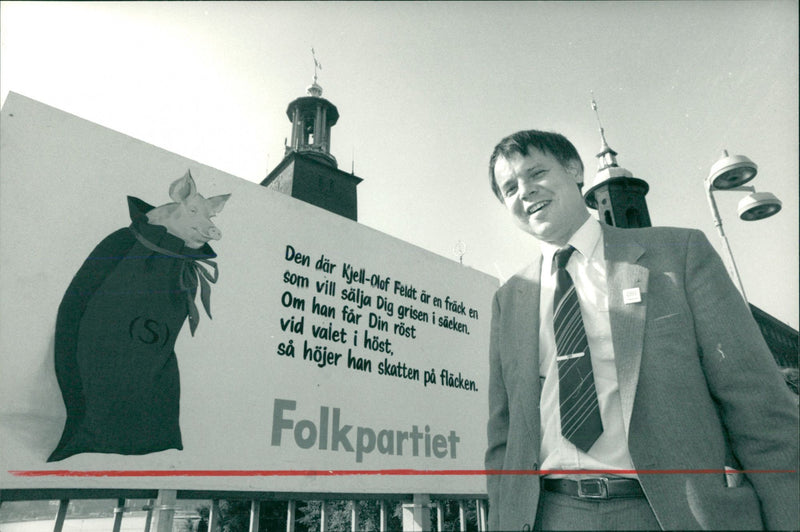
x: 593, y: 488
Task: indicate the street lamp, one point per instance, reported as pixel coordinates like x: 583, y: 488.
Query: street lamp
x: 730, y: 173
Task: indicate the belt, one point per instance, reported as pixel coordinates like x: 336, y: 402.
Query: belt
x: 594, y: 488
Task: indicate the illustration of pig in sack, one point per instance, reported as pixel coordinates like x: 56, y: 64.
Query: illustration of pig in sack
x: 118, y: 322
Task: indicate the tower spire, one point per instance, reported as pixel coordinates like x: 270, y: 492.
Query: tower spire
x: 315, y: 89
x: 616, y: 194
x: 317, y: 64
x: 607, y: 157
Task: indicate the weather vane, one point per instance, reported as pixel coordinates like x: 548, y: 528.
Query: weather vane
x: 317, y: 65
x: 597, y: 114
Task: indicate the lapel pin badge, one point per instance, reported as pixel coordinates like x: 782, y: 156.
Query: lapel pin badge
x: 631, y: 295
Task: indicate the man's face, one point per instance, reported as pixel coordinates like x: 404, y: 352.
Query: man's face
x: 542, y: 195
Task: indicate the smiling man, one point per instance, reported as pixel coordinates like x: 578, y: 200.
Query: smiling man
x: 630, y: 387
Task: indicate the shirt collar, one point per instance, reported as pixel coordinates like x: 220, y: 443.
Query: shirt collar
x: 585, y: 241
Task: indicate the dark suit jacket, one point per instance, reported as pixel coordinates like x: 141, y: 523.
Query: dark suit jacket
x: 699, y: 390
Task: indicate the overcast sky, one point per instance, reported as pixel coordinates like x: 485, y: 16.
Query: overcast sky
x: 425, y: 90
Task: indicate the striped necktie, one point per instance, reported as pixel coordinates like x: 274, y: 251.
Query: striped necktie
x: 580, y: 413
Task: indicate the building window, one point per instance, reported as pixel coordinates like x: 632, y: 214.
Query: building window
x: 633, y: 218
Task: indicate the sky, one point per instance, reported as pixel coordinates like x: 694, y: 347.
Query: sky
x: 426, y: 89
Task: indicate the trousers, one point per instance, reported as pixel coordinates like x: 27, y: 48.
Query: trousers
x: 557, y: 511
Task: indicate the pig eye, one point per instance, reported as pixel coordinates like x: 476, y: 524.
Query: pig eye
x: 193, y: 210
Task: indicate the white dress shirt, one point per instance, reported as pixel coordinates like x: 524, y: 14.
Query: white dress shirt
x: 588, y: 270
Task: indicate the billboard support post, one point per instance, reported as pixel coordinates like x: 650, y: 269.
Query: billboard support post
x: 354, y: 516
x: 439, y: 516
x: 482, y: 516
x: 61, y: 515
x: 291, y: 506
x: 324, y: 516
x: 118, y: 513
x: 213, y: 516
x: 164, y: 511
x: 417, y: 515
x: 149, y: 518
x: 384, y: 516
x: 255, y: 515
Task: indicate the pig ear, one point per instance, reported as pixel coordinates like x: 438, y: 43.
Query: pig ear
x: 182, y: 188
x: 216, y: 203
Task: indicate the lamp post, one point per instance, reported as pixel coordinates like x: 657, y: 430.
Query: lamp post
x: 729, y: 174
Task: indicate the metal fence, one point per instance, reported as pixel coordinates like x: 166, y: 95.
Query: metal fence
x: 160, y: 511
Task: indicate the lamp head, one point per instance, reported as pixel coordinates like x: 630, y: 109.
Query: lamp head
x: 731, y: 171
x: 758, y: 205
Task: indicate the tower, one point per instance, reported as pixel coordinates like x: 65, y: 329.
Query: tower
x: 617, y: 196
x: 309, y: 171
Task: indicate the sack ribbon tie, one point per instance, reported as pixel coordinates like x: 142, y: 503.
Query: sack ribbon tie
x: 194, y: 272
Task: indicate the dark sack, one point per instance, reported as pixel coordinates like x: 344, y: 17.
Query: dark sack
x: 114, y: 344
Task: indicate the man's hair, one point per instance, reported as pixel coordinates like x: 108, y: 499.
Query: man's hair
x: 520, y: 142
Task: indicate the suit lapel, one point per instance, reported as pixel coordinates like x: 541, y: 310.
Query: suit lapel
x: 627, y: 319
x: 526, y: 329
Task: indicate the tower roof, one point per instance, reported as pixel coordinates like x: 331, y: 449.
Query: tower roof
x: 608, y: 170
x: 315, y: 89
x: 313, y: 98
x: 303, y: 102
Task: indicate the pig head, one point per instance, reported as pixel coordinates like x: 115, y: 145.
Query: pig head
x: 189, y: 217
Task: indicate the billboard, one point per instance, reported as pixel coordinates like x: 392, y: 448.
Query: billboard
x: 166, y: 325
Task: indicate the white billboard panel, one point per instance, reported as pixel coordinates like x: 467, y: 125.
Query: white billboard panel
x: 338, y: 359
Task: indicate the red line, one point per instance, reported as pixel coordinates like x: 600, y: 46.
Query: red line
x: 356, y: 472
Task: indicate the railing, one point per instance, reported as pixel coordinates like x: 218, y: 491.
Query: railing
x: 417, y: 509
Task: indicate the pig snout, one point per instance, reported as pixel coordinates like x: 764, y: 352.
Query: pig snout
x: 213, y: 233
x: 189, y: 217
x: 202, y: 232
